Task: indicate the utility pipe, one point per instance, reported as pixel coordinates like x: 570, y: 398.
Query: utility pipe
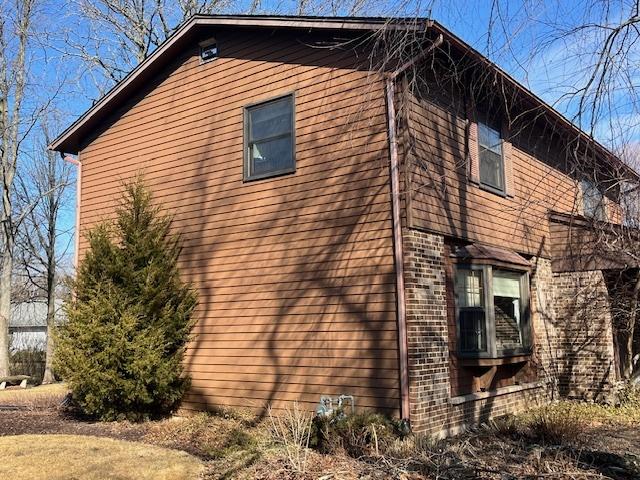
x: 397, y: 227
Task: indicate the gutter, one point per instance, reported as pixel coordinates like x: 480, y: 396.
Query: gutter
x: 76, y: 162
x: 396, y: 214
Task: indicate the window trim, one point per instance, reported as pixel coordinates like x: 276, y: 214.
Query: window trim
x: 503, y: 174
x: 489, y: 312
x: 247, y: 177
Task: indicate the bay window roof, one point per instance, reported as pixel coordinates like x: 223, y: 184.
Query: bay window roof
x: 486, y: 254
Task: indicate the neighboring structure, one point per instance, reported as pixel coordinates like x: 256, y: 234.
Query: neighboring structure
x: 28, y: 326
x: 385, y: 226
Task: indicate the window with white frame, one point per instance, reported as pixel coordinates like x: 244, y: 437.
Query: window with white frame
x: 492, y: 310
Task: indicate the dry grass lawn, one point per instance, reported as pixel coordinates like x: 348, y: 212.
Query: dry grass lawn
x: 63, y: 457
x: 567, y: 440
x: 43, y: 396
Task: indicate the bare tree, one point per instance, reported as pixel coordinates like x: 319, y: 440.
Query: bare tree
x: 111, y: 37
x: 588, y: 54
x: 599, y: 43
x: 116, y: 35
x: 15, y: 35
x: 41, y: 242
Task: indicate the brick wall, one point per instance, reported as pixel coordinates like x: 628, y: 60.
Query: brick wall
x: 573, y: 350
x: 432, y: 409
x: 428, y: 352
x: 584, y: 335
x: 544, y: 324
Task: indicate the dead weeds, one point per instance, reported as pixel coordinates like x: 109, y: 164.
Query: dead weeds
x: 43, y: 397
x: 233, y: 446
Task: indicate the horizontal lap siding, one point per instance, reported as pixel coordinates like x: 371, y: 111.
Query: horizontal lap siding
x: 444, y: 201
x: 295, y: 274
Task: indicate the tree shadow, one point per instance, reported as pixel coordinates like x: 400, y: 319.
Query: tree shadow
x: 295, y: 276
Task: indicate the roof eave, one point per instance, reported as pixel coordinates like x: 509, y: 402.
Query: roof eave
x: 63, y: 142
x: 526, y: 93
x: 66, y: 142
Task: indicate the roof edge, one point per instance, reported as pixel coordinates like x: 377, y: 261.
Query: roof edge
x: 328, y: 23
x: 258, y: 21
x: 526, y: 92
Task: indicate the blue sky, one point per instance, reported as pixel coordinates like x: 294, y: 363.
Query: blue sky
x: 517, y: 35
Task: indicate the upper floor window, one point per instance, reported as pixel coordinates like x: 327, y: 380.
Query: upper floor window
x: 592, y: 201
x: 490, y: 156
x: 492, y: 306
x: 269, y: 138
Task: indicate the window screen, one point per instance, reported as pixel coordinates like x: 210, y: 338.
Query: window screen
x: 471, y: 313
x: 490, y: 156
x: 269, y: 138
x: 507, y: 307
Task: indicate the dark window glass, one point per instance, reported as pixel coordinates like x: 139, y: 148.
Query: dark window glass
x: 473, y: 331
x: 592, y: 200
x: 471, y: 308
x: 490, y: 156
x: 269, y: 138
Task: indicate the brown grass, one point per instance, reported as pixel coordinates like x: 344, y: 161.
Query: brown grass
x: 566, y: 440
x: 41, y: 397
x: 63, y: 457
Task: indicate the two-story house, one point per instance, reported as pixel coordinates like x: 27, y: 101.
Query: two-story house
x: 368, y: 208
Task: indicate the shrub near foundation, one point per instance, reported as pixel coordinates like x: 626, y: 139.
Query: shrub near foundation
x: 565, y: 422
x: 358, y: 435
x: 130, y: 317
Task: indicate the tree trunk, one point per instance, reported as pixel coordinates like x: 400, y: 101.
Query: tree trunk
x: 51, y: 270
x: 48, y: 376
x: 5, y: 310
x: 627, y: 370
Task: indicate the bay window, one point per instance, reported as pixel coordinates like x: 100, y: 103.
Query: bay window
x: 492, y: 310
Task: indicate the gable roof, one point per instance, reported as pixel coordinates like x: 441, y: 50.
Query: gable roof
x: 71, y: 139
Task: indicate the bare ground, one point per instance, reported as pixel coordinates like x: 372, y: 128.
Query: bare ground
x: 234, y: 448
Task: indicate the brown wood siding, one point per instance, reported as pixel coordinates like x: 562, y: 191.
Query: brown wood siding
x: 444, y: 196
x: 578, y: 245
x: 295, y: 273
x: 444, y: 200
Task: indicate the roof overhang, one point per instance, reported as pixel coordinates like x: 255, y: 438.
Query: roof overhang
x: 580, y: 244
x: 524, y: 93
x: 71, y: 139
x: 477, y: 253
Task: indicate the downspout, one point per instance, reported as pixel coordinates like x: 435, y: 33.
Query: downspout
x: 78, y: 164
x: 396, y: 214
